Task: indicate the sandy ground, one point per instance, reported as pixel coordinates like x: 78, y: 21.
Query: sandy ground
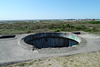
x: 81, y: 60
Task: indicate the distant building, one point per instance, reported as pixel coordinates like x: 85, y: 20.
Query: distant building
x: 86, y: 19
x: 97, y: 19
x: 71, y: 19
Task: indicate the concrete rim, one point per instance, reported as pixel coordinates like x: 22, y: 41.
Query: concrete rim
x: 26, y: 46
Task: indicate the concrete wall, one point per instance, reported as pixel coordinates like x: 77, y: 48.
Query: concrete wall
x: 50, y: 42
x: 45, y: 40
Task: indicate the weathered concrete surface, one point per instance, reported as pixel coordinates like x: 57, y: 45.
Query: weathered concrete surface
x: 11, y: 51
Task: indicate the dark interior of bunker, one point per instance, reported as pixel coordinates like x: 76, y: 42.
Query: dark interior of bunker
x: 49, y: 40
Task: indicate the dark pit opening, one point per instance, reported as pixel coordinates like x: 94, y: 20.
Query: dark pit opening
x: 7, y: 36
x: 76, y: 32
x: 50, y: 40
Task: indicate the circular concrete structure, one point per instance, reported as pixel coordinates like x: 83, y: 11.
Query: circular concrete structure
x: 50, y: 40
x: 11, y: 49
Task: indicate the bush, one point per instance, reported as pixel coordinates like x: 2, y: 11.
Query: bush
x: 80, y: 27
x: 88, y: 30
x: 68, y: 25
x: 95, y: 30
x: 57, y: 30
x: 62, y: 29
x: 94, y: 22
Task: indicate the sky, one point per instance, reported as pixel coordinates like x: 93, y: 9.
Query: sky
x: 49, y: 9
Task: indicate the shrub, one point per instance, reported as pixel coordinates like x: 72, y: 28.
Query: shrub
x: 94, y: 22
x: 67, y: 25
x: 88, y: 30
x: 80, y: 27
x: 62, y: 29
x: 57, y: 30
x: 95, y: 30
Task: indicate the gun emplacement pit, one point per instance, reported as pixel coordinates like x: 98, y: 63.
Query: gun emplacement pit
x: 51, y: 40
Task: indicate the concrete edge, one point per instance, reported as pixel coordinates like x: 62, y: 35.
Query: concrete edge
x: 26, y: 46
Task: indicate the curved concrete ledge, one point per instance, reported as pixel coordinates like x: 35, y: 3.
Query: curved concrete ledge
x: 26, y: 42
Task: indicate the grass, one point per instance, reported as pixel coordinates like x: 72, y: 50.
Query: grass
x: 81, y: 60
x: 21, y: 27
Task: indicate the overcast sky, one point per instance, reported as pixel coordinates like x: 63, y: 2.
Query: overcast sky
x: 49, y: 9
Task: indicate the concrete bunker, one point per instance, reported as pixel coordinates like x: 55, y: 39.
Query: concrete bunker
x: 51, y: 40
